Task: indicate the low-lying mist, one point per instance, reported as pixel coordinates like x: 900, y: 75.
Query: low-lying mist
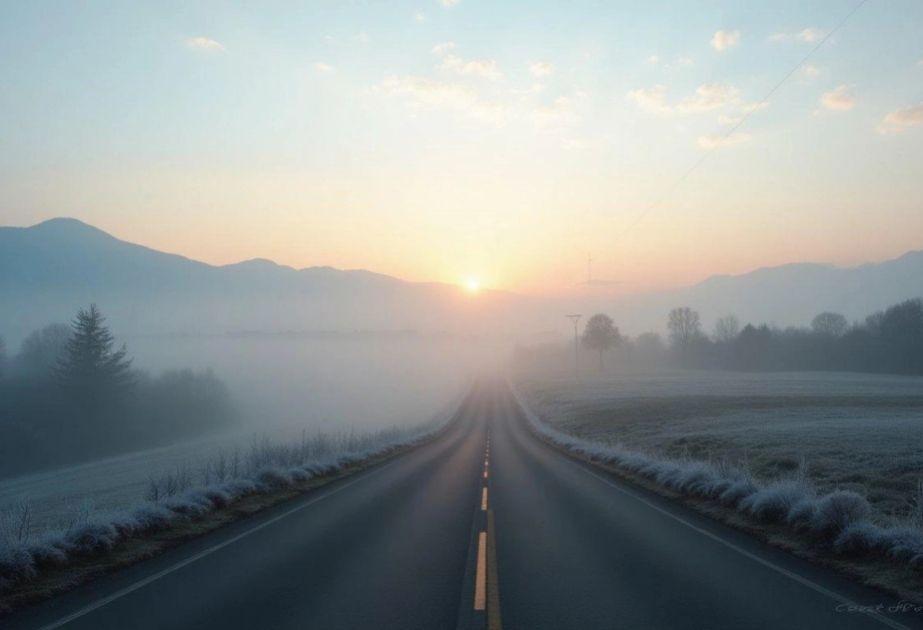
x: 333, y: 382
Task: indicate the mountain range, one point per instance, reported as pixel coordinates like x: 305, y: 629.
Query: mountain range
x: 49, y: 270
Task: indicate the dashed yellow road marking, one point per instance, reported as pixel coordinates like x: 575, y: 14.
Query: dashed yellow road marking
x: 483, y: 499
x: 480, y: 580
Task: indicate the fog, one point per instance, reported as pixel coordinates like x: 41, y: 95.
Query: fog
x: 327, y: 382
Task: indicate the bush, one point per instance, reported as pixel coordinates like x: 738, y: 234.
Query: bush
x: 15, y: 564
x: 861, y: 538
x: 91, y: 538
x: 774, y: 502
x: 273, y: 478
x: 837, y: 510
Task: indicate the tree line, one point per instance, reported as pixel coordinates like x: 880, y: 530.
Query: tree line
x: 888, y: 341
x: 71, y: 393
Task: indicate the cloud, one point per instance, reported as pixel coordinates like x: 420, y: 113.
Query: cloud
x: 419, y: 17
x: 484, y: 68
x: 722, y: 40
x: 322, y: 68
x: 727, y: 120
x: 448, y: 4
x: 901, y: 119
x: 810, y: 71
x: 541, y: 69
x: 443, y: 48
x: 680, y: 63
x: 707, y: 97
x: 839, y: 99
x: 561, y: 113
x: 426, y: 92
x: 206, y: 44
x: 808, y: 35
x: 714, y: 141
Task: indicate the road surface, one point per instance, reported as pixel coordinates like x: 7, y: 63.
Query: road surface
x: 482, y: 526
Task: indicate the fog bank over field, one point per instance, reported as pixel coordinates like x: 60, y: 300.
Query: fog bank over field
x: 327, y: 382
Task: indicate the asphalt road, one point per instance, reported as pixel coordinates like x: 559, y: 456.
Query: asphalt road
x: 485, y: 524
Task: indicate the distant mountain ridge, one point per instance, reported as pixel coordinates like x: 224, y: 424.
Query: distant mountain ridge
x: 791, y: 294
x: 49, y: 270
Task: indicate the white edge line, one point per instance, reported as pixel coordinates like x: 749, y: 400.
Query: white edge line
x: 205, y: 552
x: 766, y: 563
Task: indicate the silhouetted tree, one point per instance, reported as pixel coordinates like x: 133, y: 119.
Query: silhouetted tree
x: 91, y: 372
x: 829, y: 324
x: 901, y: 330
x: 600, y: 334
x: 726, y: 329
x: 684, y: 326
x: 753, y: 346
x: 43, y: 350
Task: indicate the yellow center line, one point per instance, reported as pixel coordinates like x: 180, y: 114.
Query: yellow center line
x: 483, y: 499
x: 480, y: 580
x: 485, y: 473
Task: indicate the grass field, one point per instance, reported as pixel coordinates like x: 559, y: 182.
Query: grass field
x: 851, y: 431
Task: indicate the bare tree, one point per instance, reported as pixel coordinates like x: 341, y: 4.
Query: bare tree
x: 726, y: 329
x: 684, y: 326
x: 829, y: 324
x: 600, y: 334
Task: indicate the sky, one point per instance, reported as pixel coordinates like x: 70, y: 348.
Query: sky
x: 455, y: 139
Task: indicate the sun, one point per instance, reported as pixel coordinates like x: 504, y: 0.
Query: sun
x: 472, y: 285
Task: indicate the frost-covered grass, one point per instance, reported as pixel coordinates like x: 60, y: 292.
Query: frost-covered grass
x: 853, y: 431
x: 837, y: 520
x: 187, y: 492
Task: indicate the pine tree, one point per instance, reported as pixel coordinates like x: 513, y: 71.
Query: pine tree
x: 90, y: 371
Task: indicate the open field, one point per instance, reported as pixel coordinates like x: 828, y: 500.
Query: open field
x: 851, y: 431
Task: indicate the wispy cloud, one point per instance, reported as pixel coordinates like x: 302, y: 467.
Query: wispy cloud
x: 680, y: 62
x: 443, y: 48
x: 707, y: 97
x: 901, y: 119
x: 448, y: 4
x: 322, y: 68
x: 419, y: 17
x: 484, y: 68
x: 426, y: 92
x: 540, y: 69
x: 561, y: 113
x: 810, y: 71
x: 808, y: 35
x: 206, y: 44
x: 723, y: 40
x: 714, y: 141
x: 839, y: 99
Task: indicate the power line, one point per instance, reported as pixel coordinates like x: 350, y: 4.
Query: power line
x: 676, y: 183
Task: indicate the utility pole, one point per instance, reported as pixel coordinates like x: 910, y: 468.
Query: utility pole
x: 576, y: 319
